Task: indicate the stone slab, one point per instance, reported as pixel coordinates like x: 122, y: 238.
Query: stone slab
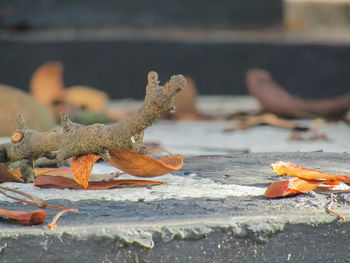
x: 240, y: 225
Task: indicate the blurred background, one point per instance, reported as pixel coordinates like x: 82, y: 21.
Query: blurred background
x: 111, y: 44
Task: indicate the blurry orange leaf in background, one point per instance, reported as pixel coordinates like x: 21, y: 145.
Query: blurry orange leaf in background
x: 143, y: 165
x: 86, y: 98
x: 46, y: 85
x: 81, y: 168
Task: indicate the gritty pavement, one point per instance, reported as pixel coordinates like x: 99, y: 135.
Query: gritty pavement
x: 212, y: 210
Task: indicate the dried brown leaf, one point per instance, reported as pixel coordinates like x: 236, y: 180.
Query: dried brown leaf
x: 81, y: 168
x: 25, y: 218
x: 6, y: 176
x: 276, y: 100
x: 143, y: 165
x: 291, y: 187
x: 48, y: 181
x: 291, y: 169
x: 39, y: 171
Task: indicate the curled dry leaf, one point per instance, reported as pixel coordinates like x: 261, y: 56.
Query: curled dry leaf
x: 86, y: 98
x: 276, y: 100
x: 81, y: 168
x: 291, y: 169
x: 25, y: 218
x: 293, y: 186
x: 36, y: 217
x: 143, y: 165
x: 6, y: 176
x: 47, y: 181
x: 46, y: 85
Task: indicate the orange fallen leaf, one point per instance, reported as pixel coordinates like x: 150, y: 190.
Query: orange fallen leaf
x: 143, y: 165
x: 46, y: 85
x: 291, y: 169
x: 48, y: 181
x: 81, y: 167
x: 294, y: 186
x: 25, y: 218
x: 6, y: 176
x: 38, y: 171
x: 86, y: 98
x: 52, y: 171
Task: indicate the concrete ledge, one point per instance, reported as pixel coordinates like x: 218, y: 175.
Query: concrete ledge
x: 244, y: 228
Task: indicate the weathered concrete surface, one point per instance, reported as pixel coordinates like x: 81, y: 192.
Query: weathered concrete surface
x: 161, y: 228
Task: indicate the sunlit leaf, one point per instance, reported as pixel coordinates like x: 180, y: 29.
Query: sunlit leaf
x: 143, y: 165
x: 291, y: 169
x: 294, y: 186
x: 81, y: 168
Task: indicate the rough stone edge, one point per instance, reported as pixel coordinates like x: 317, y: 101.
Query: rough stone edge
x: 147, y: 233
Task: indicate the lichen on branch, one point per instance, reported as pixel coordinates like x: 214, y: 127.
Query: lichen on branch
x: 75, y: 139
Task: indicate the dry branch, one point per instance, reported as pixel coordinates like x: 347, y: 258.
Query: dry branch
x: 75, y: 139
